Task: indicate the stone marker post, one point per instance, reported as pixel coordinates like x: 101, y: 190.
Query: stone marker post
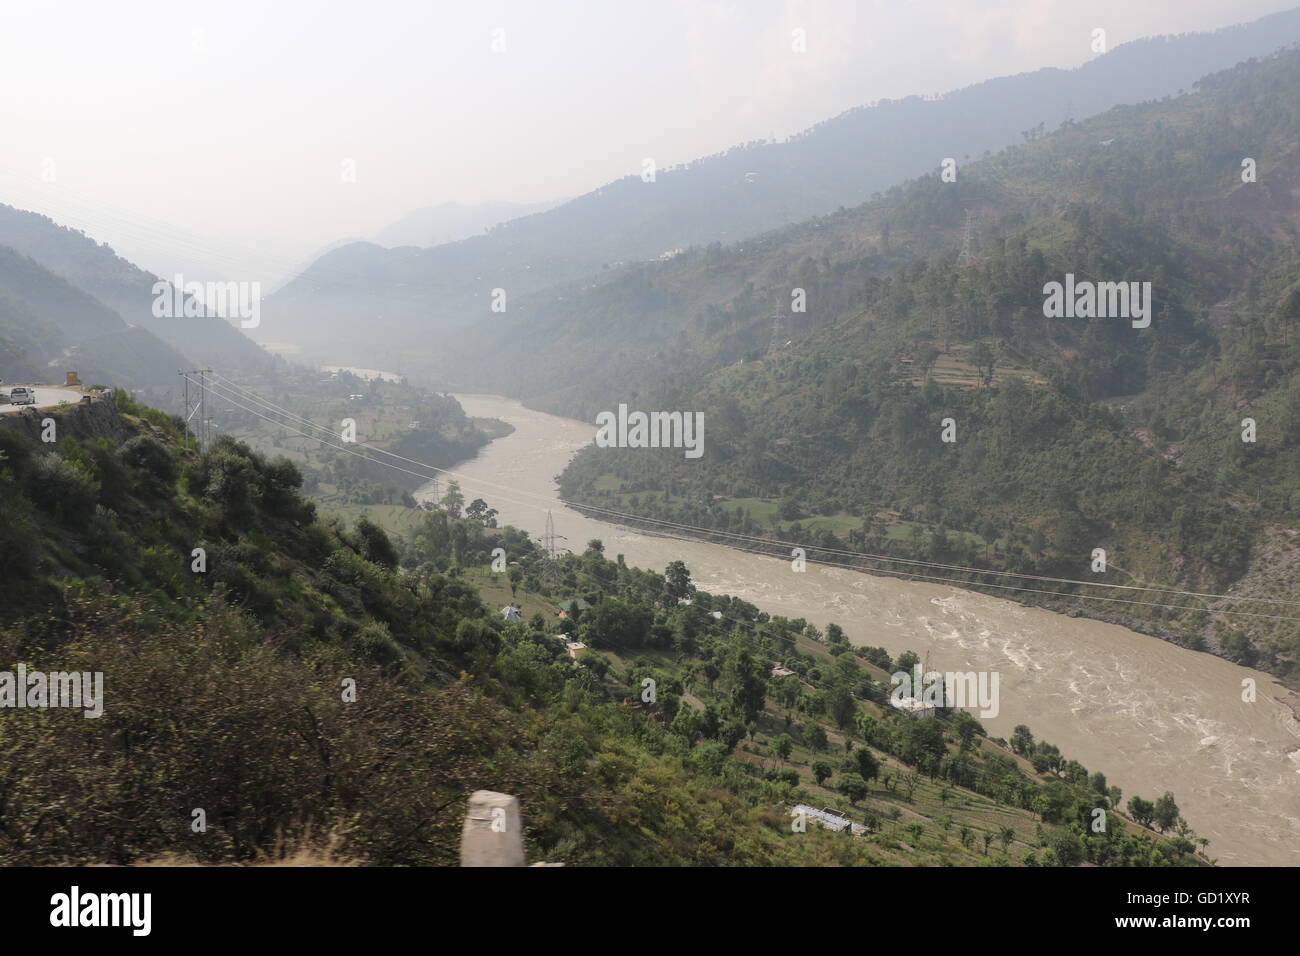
x: 493, y: 834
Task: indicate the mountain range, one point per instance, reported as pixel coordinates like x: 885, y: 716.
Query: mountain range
x: 67, y: 300
x: 1173, y: 446
x: 409, y: 298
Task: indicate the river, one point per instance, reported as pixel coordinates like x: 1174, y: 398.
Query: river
x: 1150, y: 715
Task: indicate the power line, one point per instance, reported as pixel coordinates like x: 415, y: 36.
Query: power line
x: 627, y: 516
x: 770, y: 543
x: 317, y: 438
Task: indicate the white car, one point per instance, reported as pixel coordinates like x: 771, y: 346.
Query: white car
x: 22, y: 396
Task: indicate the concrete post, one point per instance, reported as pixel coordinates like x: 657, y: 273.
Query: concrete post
x: 493, y: 834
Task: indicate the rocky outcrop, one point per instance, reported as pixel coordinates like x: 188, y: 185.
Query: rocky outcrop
x: 95, y: 417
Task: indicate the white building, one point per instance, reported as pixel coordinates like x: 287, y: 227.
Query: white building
x: 831, y: 819
x: 912, y: 707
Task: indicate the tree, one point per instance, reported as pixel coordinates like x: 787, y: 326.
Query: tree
x: 615, y: 623
x: 453, y: 500
x: 1022, y: 741
x: 1066, y: 846
x: 479, y: 511
x: 1165, y: 812
x: 743, y: 681
x: 910, y: 780
x: 677, y: 580
x: 1037, y: 542
x: 867, y: 764
x: 842, y: 707
x: 821, y: 770
x: 852, y: 786
x: 926, y: 358
x: 782, y: 746
x: 815, y: 735
x: 1005, y: 836
x: 375, y: 545
x: 1141, y: 810
x: 983, y: 358
x: 988, y: 530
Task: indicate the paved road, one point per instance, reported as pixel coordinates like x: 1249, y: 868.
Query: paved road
x: 46, y: 397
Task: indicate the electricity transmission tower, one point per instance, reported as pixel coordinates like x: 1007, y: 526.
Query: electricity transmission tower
x: 548, y: 539
x: 201, y: 433
x: 552, y: 575
x: 967, y: 255
x: 778, y: 334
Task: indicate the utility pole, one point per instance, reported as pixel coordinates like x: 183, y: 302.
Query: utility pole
x: 185, y: 416
x: 203, y: 405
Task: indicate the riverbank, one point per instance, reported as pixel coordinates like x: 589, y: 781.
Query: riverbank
x: 1149, y: 714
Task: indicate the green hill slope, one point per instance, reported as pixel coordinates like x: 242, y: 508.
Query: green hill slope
x: 98, y: 271
x: 1071, y: 434
x: 228, y: 672
x: 56, y: 326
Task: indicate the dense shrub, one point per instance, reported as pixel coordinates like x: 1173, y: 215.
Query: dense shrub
x: 147, y: 454
x: 61, y: 488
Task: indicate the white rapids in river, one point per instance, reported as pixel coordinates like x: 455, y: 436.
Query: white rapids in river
x: 1150, y: 715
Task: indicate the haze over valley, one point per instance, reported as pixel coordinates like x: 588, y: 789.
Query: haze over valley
x: 729, y: 435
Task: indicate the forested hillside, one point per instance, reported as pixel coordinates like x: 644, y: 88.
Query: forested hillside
x: 230, y: 621
x: 98, y: 271
x: 50, y: 324
x: 825, y: 426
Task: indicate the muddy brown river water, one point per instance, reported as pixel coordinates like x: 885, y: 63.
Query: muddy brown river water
x: 1150, y: 715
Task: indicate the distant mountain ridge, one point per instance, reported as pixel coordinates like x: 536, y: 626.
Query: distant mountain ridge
x: 362, y: 300
x: 453, y: 221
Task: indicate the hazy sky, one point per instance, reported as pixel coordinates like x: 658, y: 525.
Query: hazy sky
x: 224, y: 126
